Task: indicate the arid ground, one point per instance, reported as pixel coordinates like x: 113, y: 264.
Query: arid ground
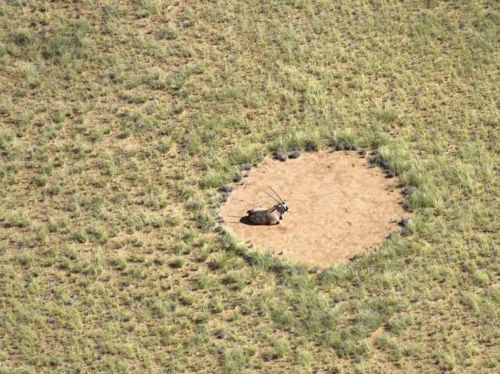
x: 340, y: 206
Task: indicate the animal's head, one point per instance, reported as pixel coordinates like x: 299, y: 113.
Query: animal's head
x: 281, y: 205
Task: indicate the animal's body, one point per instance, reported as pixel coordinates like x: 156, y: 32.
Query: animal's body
x: 271, y: 216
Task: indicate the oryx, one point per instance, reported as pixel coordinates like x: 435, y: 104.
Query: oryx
x: 271, y: 216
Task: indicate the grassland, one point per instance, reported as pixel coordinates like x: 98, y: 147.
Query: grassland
x: 118, y: 120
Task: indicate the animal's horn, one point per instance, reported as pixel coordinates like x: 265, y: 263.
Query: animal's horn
x: 276, y: 194
x: 272, y: 197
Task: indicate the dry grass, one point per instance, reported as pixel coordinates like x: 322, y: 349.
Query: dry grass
x: 118, y: 119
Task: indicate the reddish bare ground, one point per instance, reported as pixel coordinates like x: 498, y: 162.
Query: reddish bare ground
x: 340, y: 207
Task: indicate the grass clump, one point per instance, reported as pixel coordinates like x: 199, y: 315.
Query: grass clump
x: 299, y: 140
x: 279, y: 349
x: 243, y: 155
x: 215, y: 179
x: 343, y: 140
x: 177, y: 263
x: 22, y: 38
x: 236, y: 361
x: 234, y: 281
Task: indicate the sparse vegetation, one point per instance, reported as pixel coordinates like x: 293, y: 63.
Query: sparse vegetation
x: 118, y: 122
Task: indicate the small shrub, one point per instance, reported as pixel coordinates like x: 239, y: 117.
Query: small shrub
x: 279, y: 349
x: 17, y: 219
x: 302, y: 140
x: 22, y: 38
x: 177, y: 263
x: 233, y: 281
x: 193, y: 145
x: 216, y: 179
x: 185, y: 298
x: 97, y: 235
x: 81, y: 235
x: 182, y: 248
x: 194, y: 205
x: 3, y: 50
x: 424, y: 197
x: 118, y: 263
x: 387, y: 115
x: 169, y: 32
x: 205, y: 221
x: 201, y: 281
x: 216, y: 305
x: 6, y: 105
x: 187, y: 192
x: 303, y: 357
x: 244, y: 155
x: 235, y: 361
x: 174, y: 220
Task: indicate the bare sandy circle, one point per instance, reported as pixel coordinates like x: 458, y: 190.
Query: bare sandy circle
x: 340, y: 206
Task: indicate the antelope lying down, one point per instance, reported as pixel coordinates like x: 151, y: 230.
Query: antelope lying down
x: 271, y: 216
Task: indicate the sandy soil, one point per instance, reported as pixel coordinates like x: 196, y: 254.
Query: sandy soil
x: 340, y: 206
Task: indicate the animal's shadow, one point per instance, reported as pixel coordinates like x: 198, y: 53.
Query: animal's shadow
x: 246, y: 221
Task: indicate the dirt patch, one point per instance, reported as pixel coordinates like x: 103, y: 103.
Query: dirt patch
x: 340, y: 206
